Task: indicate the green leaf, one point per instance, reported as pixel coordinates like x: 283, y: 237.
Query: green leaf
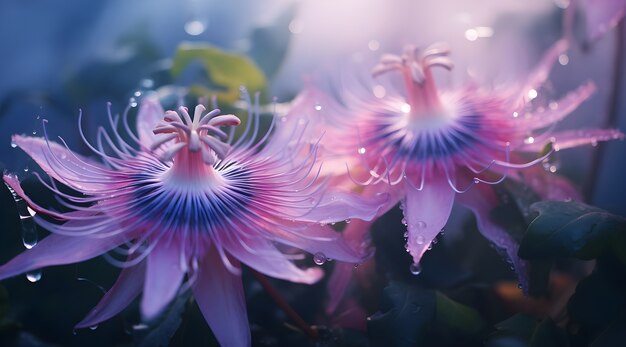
x: 226, y: 71
x: 573, y: 229
x: 459, y: 317
x: 519, y: 325
x: 405, y: 314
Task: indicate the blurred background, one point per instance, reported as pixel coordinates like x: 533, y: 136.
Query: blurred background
x: 62, y: 56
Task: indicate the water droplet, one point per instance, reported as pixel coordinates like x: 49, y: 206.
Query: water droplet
x: 406, y: 108
x: 520, y: 286
x: 515, y: 114
x: 379, y: 91
x: 415, y: 269
x: 296, y: 26
x: 529, y: 140
x: 147, y: 83
x: 403, y: 221
x: 26, y: 169
x: 348, y: 221
x: 420, y: 240
x: 322, y: 224
x: 435, y: 241
x: 74, y: 332
x: 195, y: 27
x: 532, y: 94
x: 319, y: 258
x: 420, y: 224
x: 373, y: 45
x: 34, y: 132
x: 594, y: 142
x: 430, y: 246
x: 318, y: 107
x: 476, y: 180
x: 283, y: 119
x: 361, y: 150
x: 13, y: 144
x: 94, y: 327
x: 33, y: 276
x: 132, y: 102
x: 406, y: 234
x: 137, y: 94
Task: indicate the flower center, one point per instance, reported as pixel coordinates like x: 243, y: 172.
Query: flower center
x: 415, y: 66
x: 197, y: 145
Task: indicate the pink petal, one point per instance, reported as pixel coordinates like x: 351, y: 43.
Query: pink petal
x: 315, y: 238
x: 482, y: 199
x: 150, y: 113
x: 261, y: 255
x: 219, y: 294
x: 564, y: 107
x: 575, y: 138
x: 549, y: 186
x: 356, y: 234
x: 541, y: 72
x: 62, y: 164
x: 426, y: 212
x: 163, y: 277
x: 603, y: 15
x: 58, y: 249
x: 339, y: 206
x: 124, y: 291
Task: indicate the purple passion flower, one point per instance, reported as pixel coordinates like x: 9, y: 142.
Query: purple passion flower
x: 185, y: 209
x: 428, y: 148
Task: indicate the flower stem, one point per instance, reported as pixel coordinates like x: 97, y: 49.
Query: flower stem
x: 612, y: 112
x: 291, y: 313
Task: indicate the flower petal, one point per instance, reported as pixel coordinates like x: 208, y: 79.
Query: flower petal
x: 426, y: 212
x: 261, y: 255
x: 62, y: 164
x: 575, y: 138
x: 126, y: 288
x: 58, y: 249
x: 481, y: 199
x: 339, y: 206
x: 219, y: 294
x: 149, y: 114
x: 603, y: 15
x: 163, y: 277
x: 542, y: 71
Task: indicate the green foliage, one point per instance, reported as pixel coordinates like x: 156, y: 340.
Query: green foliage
x: 226, y: 72
x: 573, y: 229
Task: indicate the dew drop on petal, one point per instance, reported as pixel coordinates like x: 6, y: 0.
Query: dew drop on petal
x: 26, y: 169
x: 406, y: 234
x: 415, y: 269
x: 13, y: 144
x: 421, y: 224
x: 532, y: 94
x: 318, y: 107
x: 33, y: 276
x: 362, y: 150
x: 520, y: 286
x: 403, y: 221
x: 195, y: 27
x: 420, y: 240
x: 132, y: 102
x: 348, y: 221
x: 94, y: 327
x: 319, y: 258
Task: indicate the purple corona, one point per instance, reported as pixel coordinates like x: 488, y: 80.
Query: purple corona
x: 184, y: 208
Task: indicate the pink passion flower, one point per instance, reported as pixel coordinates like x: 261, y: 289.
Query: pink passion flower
x: 429, y: 148
x: 185, y: 209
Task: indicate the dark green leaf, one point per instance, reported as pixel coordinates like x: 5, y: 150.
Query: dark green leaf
x: 458, y: 317
x: 519, y: 325
x: 405, y: 315
x: 548, y: 334
x: 573, y: 229
x: 160, y: 331
x: 226, y: 71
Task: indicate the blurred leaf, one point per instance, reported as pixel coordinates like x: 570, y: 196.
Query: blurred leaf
x: 4, y: 302
x: 520, y: 325
x: 226, y: 71
x: 548, y: 334
x: 160, y: 331
x: 404, y: 317
x: 270, y: 43
x: 566, y: 229
x: 459, y: 317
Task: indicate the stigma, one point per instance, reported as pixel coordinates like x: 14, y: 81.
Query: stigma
x: 193, y: 145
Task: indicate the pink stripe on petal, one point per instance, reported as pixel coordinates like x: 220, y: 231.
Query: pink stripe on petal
x: 261, y: 255
x: 219, y: 294
x: 426, y: 212
x: 481, y: 199
x: 62, y: 164
x: 124, y: 291
x: 163, y: 277
x: 150, y: 113
x: 58, y: 249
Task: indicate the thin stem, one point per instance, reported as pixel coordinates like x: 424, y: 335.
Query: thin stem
x: 611, y: 119
x: 291, y: 313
